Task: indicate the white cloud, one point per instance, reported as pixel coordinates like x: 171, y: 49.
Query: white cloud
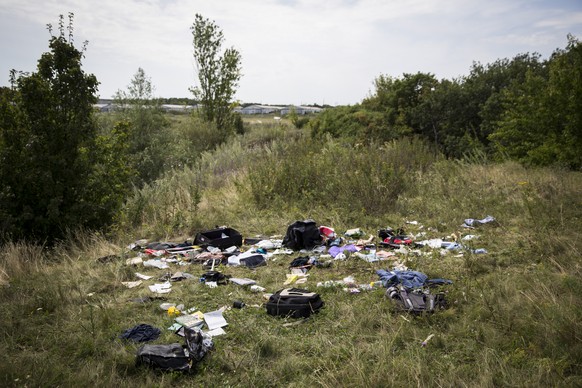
x: 564, y: 21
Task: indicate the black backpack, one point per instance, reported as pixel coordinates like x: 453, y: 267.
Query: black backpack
x: 302, y: 235
x: 416, y: 301
x: 294, y: 303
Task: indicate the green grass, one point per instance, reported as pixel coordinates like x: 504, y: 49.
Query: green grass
x: 514, y: 315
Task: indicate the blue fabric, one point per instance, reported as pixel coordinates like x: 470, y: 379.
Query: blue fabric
x: 439, y: 281
x: 335, y: 242
x: 141, y: 333
x: 451, y: 246
x: 408, y: 279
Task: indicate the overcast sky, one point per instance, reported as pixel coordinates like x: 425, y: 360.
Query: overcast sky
x: 293, y: 51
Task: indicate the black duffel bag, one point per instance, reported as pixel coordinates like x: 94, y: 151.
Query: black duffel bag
x: 294, y: 303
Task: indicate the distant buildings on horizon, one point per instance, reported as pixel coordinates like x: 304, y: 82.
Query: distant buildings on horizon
x: 107, y: 105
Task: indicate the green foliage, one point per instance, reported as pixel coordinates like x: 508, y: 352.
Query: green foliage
x: 293, y: 116
x: 522, y: 108
x: 355, y: 123
x: 366, y: 179
x: 399, y: 98
x: 238, y: 124
x: 486, y: 84
x: 150, y: 139
x: 541, y: 123
x: 49, y: 148
x: 218, y: 73
x: 191, y: 137
x: 298, y: 122
x: 112, y: 173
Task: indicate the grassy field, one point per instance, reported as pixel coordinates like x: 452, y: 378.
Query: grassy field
x: 514, y: 316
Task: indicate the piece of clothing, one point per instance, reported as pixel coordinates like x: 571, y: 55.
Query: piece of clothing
x: 141, y: 333
x: 334, y: 251
x: 408, y: 279
x: 300, y: 262
x: 471, y: 222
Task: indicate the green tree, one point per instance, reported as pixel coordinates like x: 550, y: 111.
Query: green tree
x: 565, y: 101
x: 459, y: 115
x: 293, y: 116
x: 398, y: 100
x: 542, y: 119
x: 441, y: 117
x: 54, y: 176
x: 485, y: 86
x: 218, y: 73
x: 354, y: 123
x: 298, y: 122
x: 149, y: 139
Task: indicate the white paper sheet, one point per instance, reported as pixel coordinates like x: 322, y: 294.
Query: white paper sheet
x: 214, y: 320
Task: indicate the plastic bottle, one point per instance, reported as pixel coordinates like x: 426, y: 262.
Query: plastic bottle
x: 257, y: 288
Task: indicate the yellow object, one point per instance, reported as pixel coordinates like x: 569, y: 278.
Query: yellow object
x: 173, y: 312
x: 198, y: 314
x: 291, y: 279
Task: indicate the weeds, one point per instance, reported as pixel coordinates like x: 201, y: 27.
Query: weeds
x: 514, y: 313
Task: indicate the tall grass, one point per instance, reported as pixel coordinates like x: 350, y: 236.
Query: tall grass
x: 361, y: 180
x: 170, y: 204
x: 163, y: 207
x: 514, y: 313
x: 19, y: 258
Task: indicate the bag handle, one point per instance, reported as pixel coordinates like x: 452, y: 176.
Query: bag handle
x: 294, y: 292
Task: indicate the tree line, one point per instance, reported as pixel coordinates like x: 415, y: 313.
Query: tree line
x: 524, y: 108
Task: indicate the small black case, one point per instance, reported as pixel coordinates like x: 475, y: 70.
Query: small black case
x: 220, y: 238
x: 294, y: 303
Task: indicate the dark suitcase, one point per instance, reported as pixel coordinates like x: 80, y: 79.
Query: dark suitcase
x: 294, y: 303
x: 220, y: 238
